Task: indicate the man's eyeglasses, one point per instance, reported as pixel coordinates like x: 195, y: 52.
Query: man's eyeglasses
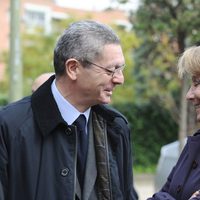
x: 108, y: 71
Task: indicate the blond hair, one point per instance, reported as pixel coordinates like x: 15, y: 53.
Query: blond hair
x: 189, y: 62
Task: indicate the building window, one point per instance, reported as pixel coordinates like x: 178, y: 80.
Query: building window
x: 37, y: 16
x: 34, y: 18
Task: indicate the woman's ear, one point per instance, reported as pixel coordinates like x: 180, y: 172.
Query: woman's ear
x: 71, y: 68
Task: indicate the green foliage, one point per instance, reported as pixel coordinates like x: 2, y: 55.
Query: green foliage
x: 37, y: 58
x: 165, y: 28
x: 38, y: 53
x: 129, y: 41
x: 3, y: 100
x: 138, y: 169
x: 151, y: 128
x: 169, y: 17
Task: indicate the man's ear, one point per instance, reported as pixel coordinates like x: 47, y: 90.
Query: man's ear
x: 71, y: 68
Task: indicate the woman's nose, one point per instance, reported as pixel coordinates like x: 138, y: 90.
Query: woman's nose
x: 190, y: 94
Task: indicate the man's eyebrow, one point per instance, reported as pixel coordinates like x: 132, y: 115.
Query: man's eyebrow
x: 116, y: 66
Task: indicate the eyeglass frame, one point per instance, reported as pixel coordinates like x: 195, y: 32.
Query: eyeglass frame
x: 110, y: 72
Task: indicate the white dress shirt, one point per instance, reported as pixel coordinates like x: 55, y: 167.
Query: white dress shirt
x: 67, y: 110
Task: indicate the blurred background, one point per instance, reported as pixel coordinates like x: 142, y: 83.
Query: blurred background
x: 153, y: 34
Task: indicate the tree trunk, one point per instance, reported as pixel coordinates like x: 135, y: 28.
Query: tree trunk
x: 15, y: 65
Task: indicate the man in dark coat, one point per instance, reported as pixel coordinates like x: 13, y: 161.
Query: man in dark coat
x: 41, y: 139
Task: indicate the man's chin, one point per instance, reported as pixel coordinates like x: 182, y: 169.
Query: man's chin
x: 106, y: 101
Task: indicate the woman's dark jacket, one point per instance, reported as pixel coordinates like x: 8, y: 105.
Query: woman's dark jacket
x: 37, y: 150
x: 184, y: 179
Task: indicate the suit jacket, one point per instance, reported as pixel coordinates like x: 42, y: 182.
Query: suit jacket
x: 89, y: 192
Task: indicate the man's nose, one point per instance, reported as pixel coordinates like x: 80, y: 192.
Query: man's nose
x: 118, y: 78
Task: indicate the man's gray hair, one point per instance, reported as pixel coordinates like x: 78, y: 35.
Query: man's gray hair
x: 83, y: 40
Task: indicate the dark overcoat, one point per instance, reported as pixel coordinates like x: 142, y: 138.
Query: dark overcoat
x: 38, y: 150
x: 184, y: 178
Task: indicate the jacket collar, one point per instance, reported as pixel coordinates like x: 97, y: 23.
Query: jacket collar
x: 45, y: 109
x: 47, y: 114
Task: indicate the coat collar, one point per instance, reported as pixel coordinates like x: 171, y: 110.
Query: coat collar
x: 47, y: 114
x: 45, y: 109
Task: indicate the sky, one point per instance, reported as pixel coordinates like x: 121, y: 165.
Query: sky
x: 96, y: 5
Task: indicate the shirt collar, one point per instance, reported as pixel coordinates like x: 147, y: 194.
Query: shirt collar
x: 67, y: 110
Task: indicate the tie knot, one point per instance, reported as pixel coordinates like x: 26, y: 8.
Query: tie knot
x: 81, y: 122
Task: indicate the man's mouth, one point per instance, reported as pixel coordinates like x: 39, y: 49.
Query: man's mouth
x: 109, y: 92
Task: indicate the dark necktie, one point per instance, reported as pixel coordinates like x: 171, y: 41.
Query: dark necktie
x: 82, y: 147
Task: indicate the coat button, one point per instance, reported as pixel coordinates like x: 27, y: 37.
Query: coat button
x: 64, y: 172
x: 179, y: 188
x: 68, y: 130
x: 194, y: 164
